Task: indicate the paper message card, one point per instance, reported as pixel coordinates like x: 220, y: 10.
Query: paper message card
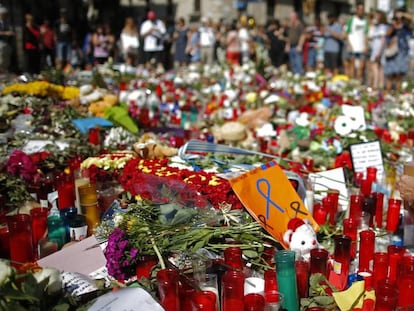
x: 270, y: 198
x: 331, y: 179
x: 365, y: 155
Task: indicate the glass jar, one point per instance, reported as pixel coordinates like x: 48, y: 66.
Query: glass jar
x: 366, y: 250
x: 406, y: 282
x: 88, y: 199
x: 333, y: 197
x: 39, y: 224
x: 379, y: 209
x: 168, y: 282
x: 232, y: 291
x: 393, y: 214
x: 233, y: 257
x: 302, y: 278
x: 319, y: 261
x: 380, y: 268
x: 56, y: 230
x: 350, y: 228
x: 341, y: 264
x: 204, y: 301
x: 21, y: 239
x: 355, y: 206
x: 78, y: 229
x: 286, y: 278
x: 386, y: 296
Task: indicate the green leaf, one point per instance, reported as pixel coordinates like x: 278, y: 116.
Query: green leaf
x: 324, y: 300
x: 250, y: 253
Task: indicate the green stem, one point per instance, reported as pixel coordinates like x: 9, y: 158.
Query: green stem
x: 157, y: 252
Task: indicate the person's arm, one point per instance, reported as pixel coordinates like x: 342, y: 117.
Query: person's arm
x: 146, y: 29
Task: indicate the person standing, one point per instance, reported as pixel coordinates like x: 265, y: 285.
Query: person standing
x: 233, y: 45
x: 193, y: 45
x: 180, y: 38
x: 357, y: 33
x: 295, y: 41
x: 277, y: 40
x: 129, y: 42
x: 63, y: 41
x: 207, y: 41
x: 31, y: 37
x: 377, y: 35
x: 6, y: 35
x: 48, y: 44
x: 152, y: 31
x: 102, y: 45
x: 244, y: 40
x: 397, y: 65
x: 332, y: 45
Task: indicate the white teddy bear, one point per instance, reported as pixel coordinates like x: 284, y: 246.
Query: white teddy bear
x: 301, y: 238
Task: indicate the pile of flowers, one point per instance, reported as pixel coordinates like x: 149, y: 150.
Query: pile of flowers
x: 42, y: 89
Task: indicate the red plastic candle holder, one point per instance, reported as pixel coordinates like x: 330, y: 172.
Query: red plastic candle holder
x: 319, y: 261
x: 366, y: 250
x: 168, y: 280
x: 393, y: 214
x: 350, y: 228
x: 21, y: 239
x: 380, y: 268
x: 355, y: 206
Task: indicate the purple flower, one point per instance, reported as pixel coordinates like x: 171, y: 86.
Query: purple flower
x: 20, y: 164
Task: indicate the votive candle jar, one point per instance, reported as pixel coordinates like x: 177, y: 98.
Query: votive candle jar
x: 270, y: 280
x: 286, y: 278
x: 320, y: 213
x: 168, y: 285
x: 355, y: 206
x: 386, y: 296
x: 88, y: 199
x: 371, y: 174
x: 406, y: 282
x: 39, y: 224
x: 379, y: 209
x: 350, y: 228
x: 21, y: 239
x: 232, y: 291
x: 319, y: 261
x: 204, y: 301
x: 369, y: 205
x: 333, y: 197
x: 393, y: 214
x: 366, y: 250
x: 302, y: 278
x: 233, y: 257
x: 342, y: 260
x: 66, y: 191
x: 254, y: 302
x: 366, y: 187
x: 380, y: 267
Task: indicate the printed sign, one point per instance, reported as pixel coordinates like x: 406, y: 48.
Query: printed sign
x: 365, y: 155
x: 270, y: 198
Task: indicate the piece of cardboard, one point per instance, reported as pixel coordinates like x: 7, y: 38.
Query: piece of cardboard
x: 84, y: 257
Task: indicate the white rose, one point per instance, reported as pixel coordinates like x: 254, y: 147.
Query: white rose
x: 5, y: 271
x: 55, y: 283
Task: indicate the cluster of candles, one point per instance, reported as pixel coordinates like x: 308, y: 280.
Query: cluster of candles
x: 389, y: 269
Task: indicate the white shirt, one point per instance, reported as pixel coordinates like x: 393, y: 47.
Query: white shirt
x: 129, y: 41
x: 207, y: 37
x: 244, y: 38
x: 153, y: 42
x: 357, y: 30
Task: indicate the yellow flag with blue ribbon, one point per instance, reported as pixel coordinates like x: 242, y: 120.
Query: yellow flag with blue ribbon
x: 270, y: 198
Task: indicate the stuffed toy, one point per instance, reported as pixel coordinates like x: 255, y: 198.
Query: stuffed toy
x: 154, y: 151
x: 301, y: 238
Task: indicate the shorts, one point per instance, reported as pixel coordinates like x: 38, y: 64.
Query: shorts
x: 331, y: 60
x: 358, y: 55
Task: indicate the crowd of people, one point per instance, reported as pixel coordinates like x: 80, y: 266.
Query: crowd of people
x: 369, y: 47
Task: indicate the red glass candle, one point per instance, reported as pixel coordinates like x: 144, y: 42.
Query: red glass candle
x: 379, y: 209
x: 355, y: 206
x: 372, y: 174
x: 350, y: 228
x: 302, y: 278
x: 406, y: 282
x: 168, y: 280
x: 366, y: 250
x: 380, y: 268
x: 204, y: 301
x: 369, y: 204
x: 4, y: 242
x: 319, y: 261
x: 393, y: 214
x: 386, y: 296
x: 21, y: 239
x: 233, y: 257
x: 47, y: 186
x: 186, y: 293
x: 66, y: 191
x: 254, y: 302
x: 39, y: 223
x: 94, y: 136
x: 358, y: 176
x: 342, y: 258
x: 333, y: 197
x: 320, y: 213
x: 232, y: 291
x: 366, y: 187
x: 270, y: 281
x: 393, y: 266
x: 402, y: 138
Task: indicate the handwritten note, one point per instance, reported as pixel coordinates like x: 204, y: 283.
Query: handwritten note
x: 270, y: 198
x: 365, y: 155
